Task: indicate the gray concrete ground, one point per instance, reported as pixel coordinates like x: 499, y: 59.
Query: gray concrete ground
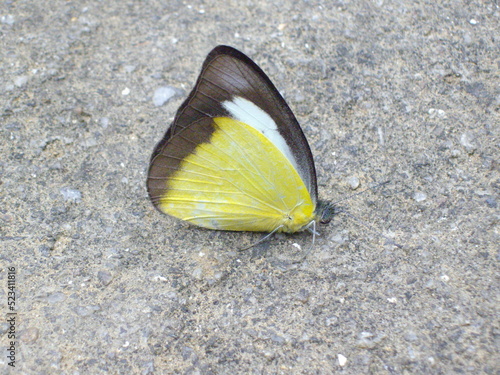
x: 385, y: 90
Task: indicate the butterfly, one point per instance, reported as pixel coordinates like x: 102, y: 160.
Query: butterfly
x: 235, y: 157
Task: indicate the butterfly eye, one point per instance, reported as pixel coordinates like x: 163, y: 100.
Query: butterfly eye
x: 326, y: 212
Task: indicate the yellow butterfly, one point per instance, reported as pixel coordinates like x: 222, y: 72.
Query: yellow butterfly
x: 235, y: 157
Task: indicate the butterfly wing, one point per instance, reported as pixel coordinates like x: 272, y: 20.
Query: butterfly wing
x: 235, y: 157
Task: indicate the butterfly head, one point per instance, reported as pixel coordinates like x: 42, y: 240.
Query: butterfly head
x: 325, y: 212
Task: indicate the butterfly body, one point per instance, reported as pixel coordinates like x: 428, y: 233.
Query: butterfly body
x: 235, y: 157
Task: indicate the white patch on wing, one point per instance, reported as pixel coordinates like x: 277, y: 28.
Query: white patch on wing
x: 245, y: 111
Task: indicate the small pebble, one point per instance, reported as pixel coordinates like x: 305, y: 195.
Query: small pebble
x: 29, y: 335
x: 467, y: 140
x: 20, y: 81
x: 104, y: 122
x: 332, y: 320
x: 353, y: 182
x: 277, y: 339
x: 8, y: 19
x: 269, y: 354
x: 86, y: 310
x: 163, y: 94
x: 303, y: 295
x: 197, y: 273
x: 129, y: 68
x: 299, y: 98
x: 411, y: 336
x: 72, y: 195
x: 104, y: 277
x: 439, y: 113
x: 491, y: 202
x: 339, y: 238
x: 342, y: 360
x: 368, y: 340
x: 420, y: 197
x: 56, y: 297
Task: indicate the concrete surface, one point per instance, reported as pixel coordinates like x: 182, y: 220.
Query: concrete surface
x: 385, y: 90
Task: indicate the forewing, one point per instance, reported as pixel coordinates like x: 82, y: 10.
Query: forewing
x: 228, y: 75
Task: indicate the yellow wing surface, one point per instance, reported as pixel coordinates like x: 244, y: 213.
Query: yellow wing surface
x: 238, y: 181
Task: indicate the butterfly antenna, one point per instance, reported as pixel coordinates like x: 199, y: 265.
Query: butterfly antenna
x: 390, y: 241
x: 360, y: 192
x: 365, y: 224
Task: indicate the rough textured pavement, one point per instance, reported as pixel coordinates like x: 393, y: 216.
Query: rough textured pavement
x: 402, y: 91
